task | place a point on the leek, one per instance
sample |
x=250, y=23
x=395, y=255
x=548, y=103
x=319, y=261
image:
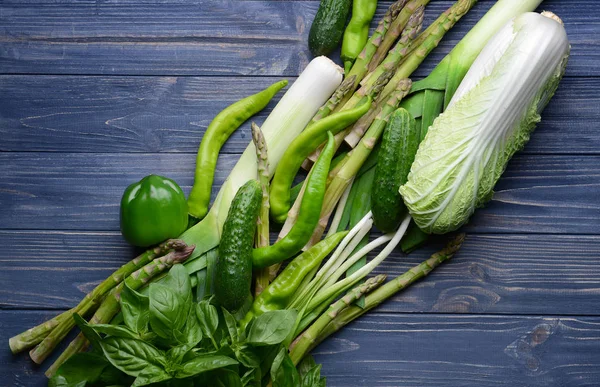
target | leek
x=489, y=118
x=291, y=115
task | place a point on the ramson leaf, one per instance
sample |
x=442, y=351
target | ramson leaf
x=468, y=146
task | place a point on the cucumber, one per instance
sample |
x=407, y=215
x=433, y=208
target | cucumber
x=396, y=155
x=328, y=27
x=233, y=274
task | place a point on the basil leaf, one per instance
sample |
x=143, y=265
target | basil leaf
x=87, y=331
x=312, y=378
x=132, y=356
x=178, y=280
x=252, y=377
x=231, y=326
x=272, y=327
x=226, y=378
x=202, y=364
x=283, y=371
x=246, y=357
x=151, y=375
x=136, y=309
x=208, y=318
x=307, y=363
x=61, y=381
x=192, y=329
x=176, y=354
x=115, y=330
x=166, y=311
x=81, y=367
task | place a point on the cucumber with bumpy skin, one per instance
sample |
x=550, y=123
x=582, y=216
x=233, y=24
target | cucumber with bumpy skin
x=233, y=274
x=328, y=26
x=397, y=153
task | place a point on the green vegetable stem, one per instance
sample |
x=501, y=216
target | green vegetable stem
x=219, y=130
x=233, y=277
x=357, y=31
x=299, y=149
x=110, y=306
x=153, y=210
x=35, y=335
x=280, y=292
x=308, y=217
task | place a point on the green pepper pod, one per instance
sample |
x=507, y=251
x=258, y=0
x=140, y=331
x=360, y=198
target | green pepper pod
x=219, y=130
x=152, y=210
x=308, y=217
x=280, y=292
x=357, y=31
x=300, y=148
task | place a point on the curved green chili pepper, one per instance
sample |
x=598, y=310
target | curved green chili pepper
x=219, y=130
x=308, y=217
x=357, y=31
x=280, y=292
x=300, y=148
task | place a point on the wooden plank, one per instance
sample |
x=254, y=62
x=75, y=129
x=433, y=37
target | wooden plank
x=170, y=114
x=81, y=191
x=501, y=274
x=419, y=350
x=468, y=351
x=210, y=37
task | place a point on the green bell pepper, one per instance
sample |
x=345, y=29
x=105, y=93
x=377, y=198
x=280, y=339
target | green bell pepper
x=152, y=210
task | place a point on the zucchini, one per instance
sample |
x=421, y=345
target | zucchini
x=328, y=26
x=396, y=155
x=233, y=274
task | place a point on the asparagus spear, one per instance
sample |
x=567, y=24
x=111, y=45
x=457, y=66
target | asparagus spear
x=355, y=159
x=375, y=298
x=333, y=102
x=396, y=28
x=359, y=69
x=42, y=350
x=262, y=230
x=306, y=340
x=110, y=306
x=35, y=335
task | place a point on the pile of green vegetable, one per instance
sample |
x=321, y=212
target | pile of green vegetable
x=410, y=158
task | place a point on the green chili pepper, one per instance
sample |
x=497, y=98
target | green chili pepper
x=300, y=148
x=357, y=31
x=280, y=292
x=308, y=217
x=152, y=210
x=219, y=130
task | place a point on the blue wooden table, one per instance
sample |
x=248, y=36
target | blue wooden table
x=97, y=94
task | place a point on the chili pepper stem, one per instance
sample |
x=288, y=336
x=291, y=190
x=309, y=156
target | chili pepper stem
x=35, y=335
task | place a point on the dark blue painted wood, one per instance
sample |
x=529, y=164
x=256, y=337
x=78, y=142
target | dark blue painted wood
x=260, y=38
x=502, y=274
x=420, y=350
x=456, y=328
x=81, y=191
x=169, y=114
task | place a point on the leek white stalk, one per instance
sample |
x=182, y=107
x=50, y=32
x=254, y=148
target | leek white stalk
x=490, y=117
x=291, y=115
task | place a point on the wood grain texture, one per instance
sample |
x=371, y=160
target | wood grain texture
x=170, y=114
x=261, y=38
x=419, y=350
x=80, y=191
x=501, y=274
x=469, y=351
